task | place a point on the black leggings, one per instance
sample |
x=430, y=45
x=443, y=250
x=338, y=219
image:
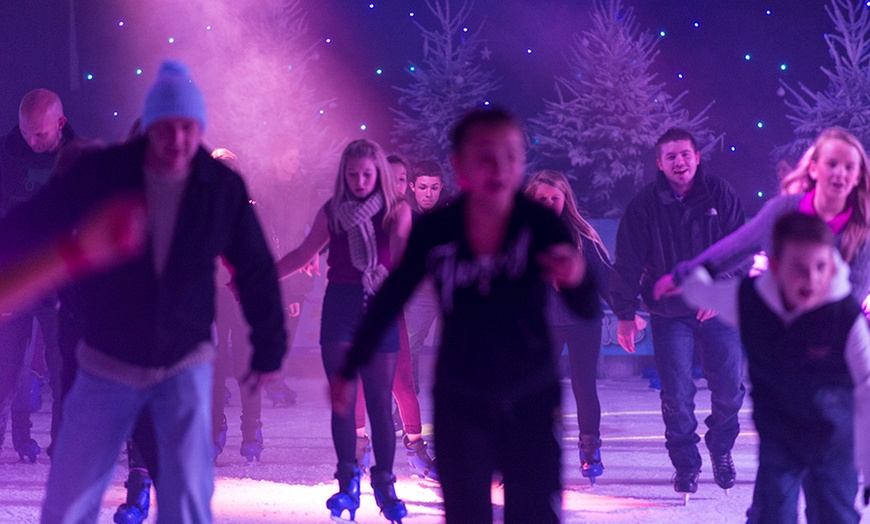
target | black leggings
x=584, y=343
x=377, y=380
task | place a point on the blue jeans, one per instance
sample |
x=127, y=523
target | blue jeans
x=829, y=480
x=674, y=340
x=98, y=417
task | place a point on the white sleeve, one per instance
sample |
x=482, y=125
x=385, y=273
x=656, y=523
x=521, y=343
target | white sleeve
x=700, y=290
x=858, y=359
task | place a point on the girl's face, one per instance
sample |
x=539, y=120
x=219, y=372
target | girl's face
x=550, y=197
x=361, y=176
x=400, y=172
x=836, y=169
x=491, y=162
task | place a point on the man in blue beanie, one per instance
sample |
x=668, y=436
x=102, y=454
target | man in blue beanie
x=146, y=323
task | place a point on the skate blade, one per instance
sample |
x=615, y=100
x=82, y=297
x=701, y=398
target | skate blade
x=341, y=519
x=686, y=498
x=727, y=491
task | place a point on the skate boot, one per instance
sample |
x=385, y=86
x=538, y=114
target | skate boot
x=220, y=440
x=590, y=458
x=363, y=453
x=347, y=498
x=418, y=458
x=252, y=440
x=135, y=509
x=392, y=508
x=686, y=482
x=723, y=471
x=26, y=447
x=280, y=395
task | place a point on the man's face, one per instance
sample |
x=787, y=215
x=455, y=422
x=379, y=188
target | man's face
x=679, y=162
x=803, y=273
x=172, y=143
x=427, y=191
x=42, y=130
x=490, y=164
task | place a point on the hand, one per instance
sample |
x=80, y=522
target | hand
x=705, y=314
x=312, y=267
x=112, y=233
x=563, y=265
x=253, y=381
x=626, y=333
x=665, y=287
x=340, y=393
x=293, y=309
x=639, y=322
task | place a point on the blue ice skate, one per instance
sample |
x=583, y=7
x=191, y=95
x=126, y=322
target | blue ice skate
x=135, y=510
x=392, y=508
x=590, y=457
x=418, y=458
x=347, y=498
x=252, y=445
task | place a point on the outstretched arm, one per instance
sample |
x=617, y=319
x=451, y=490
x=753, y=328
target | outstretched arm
x=312, y=245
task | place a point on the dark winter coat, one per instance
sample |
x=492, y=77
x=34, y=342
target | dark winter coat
x=23, y=173
x=147, y=320
x=658, y=231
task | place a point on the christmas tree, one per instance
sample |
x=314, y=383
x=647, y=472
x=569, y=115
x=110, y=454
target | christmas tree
x=606, y=116
x=846, y=100
x=449, y=82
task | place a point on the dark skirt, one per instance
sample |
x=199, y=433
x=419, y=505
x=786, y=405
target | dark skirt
x=343, y=309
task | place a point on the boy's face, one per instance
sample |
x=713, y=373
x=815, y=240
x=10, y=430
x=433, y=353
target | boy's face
x=491, y=163
x=679, y=162
x=803, y=273
x=427, y=191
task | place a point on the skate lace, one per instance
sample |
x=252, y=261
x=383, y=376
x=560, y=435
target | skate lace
x=723, y=464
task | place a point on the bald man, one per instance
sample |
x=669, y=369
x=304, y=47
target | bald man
x=27, y=156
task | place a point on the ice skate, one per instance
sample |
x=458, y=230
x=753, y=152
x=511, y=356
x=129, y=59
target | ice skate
x=280, y=395
x=392, y=508
x=220, y=439
x=347, y=498
x=418, y=458
x=724, y=472
x=252, y=441
x=591, y=468
x=686, y=483
x=363, y=453
x=24, y=445
x=590, y=458
x=135, y=510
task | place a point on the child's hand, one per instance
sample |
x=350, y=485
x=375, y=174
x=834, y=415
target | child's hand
x=665, y=287
x=563, y=265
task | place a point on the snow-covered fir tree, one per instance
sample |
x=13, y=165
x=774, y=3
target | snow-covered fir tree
x=606, y=116
x=846, y=100
x=449, y=82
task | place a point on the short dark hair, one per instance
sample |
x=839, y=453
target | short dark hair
x=672, y=135
x=425, y=168
x=794, y=227
x=491, y=117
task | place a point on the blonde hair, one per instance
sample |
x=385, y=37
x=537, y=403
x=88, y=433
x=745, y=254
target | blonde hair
x=363, y=148
x=579, y=227
x=798, y=181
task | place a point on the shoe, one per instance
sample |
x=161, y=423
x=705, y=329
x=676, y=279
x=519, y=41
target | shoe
x=392, y=508
x=723, y=471
x=28, y=451
x=24, y=445
x=252, y=441
x=220, y=440
x=418, y=458
x=280, y=395
x=686, y=482
x=590, y=464
x=347, y=498
x=135, y=510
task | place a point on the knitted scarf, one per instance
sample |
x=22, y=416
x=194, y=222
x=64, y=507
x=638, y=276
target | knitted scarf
x=355, y=218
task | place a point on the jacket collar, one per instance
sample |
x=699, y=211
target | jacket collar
x=666, y=194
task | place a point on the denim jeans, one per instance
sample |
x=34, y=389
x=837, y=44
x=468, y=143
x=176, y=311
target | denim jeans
x=99, y=415
x=674, y=341
x=829, y=480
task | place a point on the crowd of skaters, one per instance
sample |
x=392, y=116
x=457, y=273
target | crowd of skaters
x=134, y=352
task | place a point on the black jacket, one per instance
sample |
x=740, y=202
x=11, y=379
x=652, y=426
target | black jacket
x=23, y=173
x=658, y=230
x=131, y=313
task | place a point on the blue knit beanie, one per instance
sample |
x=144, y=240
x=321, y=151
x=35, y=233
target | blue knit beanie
x=173, y=94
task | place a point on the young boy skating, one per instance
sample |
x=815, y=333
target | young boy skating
x=808, y=349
